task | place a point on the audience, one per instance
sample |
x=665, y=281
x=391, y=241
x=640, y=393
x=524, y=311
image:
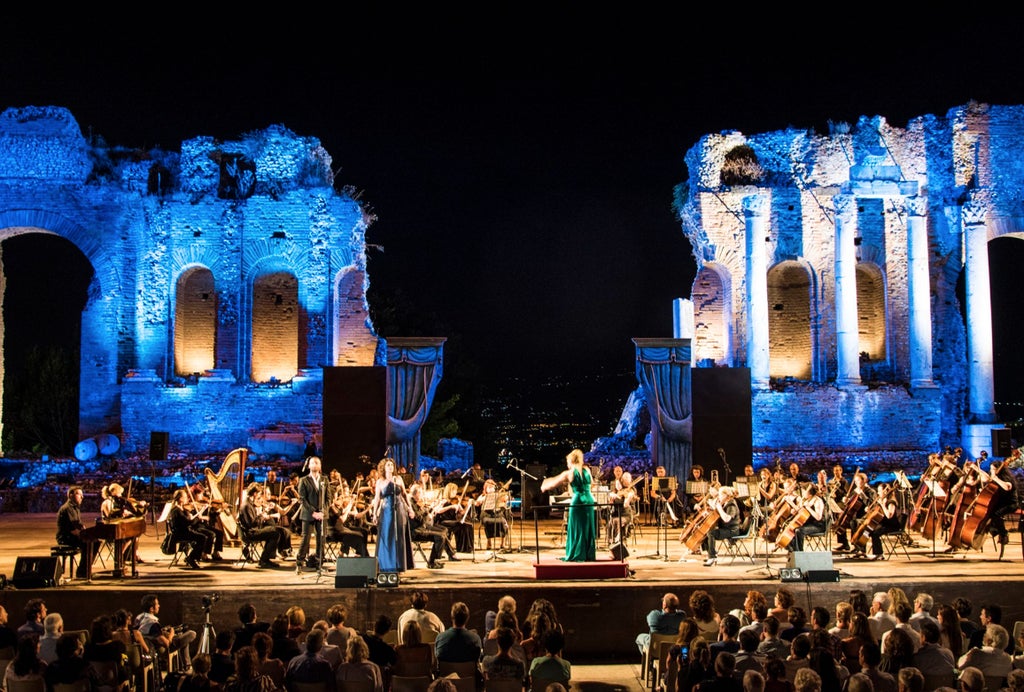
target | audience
x=551, y=666
x=358, y=666
x=413, y=657
x=427, y=620
x=991, y=657
x=26, y=666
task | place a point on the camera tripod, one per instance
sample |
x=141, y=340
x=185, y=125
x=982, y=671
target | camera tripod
x=209, y=638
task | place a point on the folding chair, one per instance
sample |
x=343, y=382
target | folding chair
x=820, y=541
x=736, y=547
x=891, y=542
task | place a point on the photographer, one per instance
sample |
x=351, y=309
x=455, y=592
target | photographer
x=165, y=638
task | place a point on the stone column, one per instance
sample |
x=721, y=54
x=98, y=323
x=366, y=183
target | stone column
x=919, y=294
x=847, y=336
x=979, y=314
x=755, y=210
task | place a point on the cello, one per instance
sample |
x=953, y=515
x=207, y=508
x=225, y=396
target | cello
x=702, y=525
x=775, y=522
x=803, y=513
x=872, y=519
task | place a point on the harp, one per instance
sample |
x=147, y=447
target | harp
x=226, y=488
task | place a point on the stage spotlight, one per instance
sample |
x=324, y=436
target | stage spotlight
x=788, y=574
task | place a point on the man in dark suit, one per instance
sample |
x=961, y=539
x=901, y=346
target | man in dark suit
x=312, y=492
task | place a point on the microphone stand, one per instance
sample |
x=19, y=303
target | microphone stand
x=320, y=531
x=523, y=475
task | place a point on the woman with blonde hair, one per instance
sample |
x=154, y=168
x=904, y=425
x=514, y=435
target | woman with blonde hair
x=581, y=523
x=413, y=657
x=357, y=665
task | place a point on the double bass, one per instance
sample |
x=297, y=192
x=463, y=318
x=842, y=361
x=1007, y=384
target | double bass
x=930, y=506
x=961, y=499
x=979, y=514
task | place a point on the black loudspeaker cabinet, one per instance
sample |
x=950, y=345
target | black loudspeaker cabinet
x=1002, y=443
x=355, y=572
x=619, y=552
x=36, y=572
x=158, y=445
x=355, y=418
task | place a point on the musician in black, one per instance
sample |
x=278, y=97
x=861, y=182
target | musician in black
x=668, y=506
x=69, y=529
x=1005, y=501
x=692, y=492
x=312, y=494
x=861, y=496
x=185, y=527
x=254, y=531
x=347, y=524
x=425, y=529
x=208, y=514
x=891, y=521
x=814, y=524
x=729, y=519
x=494, y=512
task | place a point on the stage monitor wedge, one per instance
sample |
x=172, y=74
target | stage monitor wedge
x=36, y=572
x=355, y=572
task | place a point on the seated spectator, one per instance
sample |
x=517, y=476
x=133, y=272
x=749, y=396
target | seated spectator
x=870, y=658
x=797, y=624
x=35, y=613
x=746, y=657
x=747, y=614
x=222, y=660
x=798, y=656
x=860, y=634
x=822, y=634
x=933, y=659
x=506, y=604
x=844, y=613
x=551, y=666
x=695, y=665
x=771, y=644
x=503, y=665
x=249, y=625
x=263, y=644
x=247, y=677
x=807, y=681
x=26, y=666
x=8, y=637
x=972, y=680
x=901, y=611
x=106, y=652
x=70, y=666
x=332, y=653
x=53, y=627
x=199, y=679
x=702, y=606
x=381, y=652
x=833, y=676
x=1015, y=681
x=897, y=652
x=308, y=666
x=124, y=633
x=538, y=625
x=991, y=659
x=458, y=644
x=859, y=682
x=753, y=681
x=285, y=647
x=759, y=611
x=725, y=675
x=413, y=656
x=358, y=666
x=910, y=679
x=504, y=620
x=775, y=676
x=296, y=623
x=727, y=642
x=688, y=629
x=664, y=620
x=339, y=632
x=784, y=599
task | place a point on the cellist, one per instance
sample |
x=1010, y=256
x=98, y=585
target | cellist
x=891, y=521
x=814, y=523
x=863, y=496
x=1005, y=497
x=728, y=521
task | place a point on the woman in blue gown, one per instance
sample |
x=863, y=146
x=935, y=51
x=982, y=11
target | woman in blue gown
x=391, y=507
x=581, y=525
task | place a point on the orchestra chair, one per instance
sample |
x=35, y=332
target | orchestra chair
x=181, y=549
x=404, y=683
x=26, y=685
x=821, y=541
x=736, y=547
x=647, y=669
x=665, y=668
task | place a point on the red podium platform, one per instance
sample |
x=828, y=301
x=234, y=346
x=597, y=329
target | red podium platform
x=600, y=569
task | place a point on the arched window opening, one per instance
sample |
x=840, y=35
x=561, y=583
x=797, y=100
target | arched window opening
x=275, y=327
x=195, y=322
x=871, y=330
x=710, y=322
x=789, y=321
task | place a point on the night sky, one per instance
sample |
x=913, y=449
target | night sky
x=521, y=170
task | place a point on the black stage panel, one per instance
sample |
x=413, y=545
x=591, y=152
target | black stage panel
x=355, y=417
x=721, y=420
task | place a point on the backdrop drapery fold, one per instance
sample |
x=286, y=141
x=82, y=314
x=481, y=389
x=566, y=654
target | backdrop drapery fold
x=415, y=367
x=663, y=370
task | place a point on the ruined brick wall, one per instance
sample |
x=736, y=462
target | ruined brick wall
x=239, y=211
x=973, y=151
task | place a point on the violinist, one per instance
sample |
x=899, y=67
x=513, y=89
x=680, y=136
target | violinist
x=288, y=504
x=891, y=521
x=185, y=527
x=624, y=510
x=347, y=524
x=838, y=486
x=494, y=512
x=724, y=503
x=206, y=515
x=696, y=488
x=812, y=512
x=863, y=496
x=451, y=512
x=767, y=489
x=270, y=515
x=254, y=530
x=115, y=506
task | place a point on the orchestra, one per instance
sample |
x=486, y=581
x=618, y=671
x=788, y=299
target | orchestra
x=955, y=502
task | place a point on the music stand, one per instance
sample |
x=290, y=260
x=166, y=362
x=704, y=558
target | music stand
x=490, y=504
x=662, y=483
x=756, y=517
x=523, y=475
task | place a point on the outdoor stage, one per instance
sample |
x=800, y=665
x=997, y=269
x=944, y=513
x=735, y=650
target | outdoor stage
x=601, y=614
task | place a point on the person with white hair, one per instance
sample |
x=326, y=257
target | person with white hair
x=923, y=604
x=881, y=620
x=53, y=627
x=991, y=659
x=728, y=521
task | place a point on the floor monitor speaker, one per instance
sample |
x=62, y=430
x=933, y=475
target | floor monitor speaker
x=810, y=560
x=36, y=572
x=355, y=572
x=619, y=552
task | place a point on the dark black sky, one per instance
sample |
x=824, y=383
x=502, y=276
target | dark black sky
x=521, y=169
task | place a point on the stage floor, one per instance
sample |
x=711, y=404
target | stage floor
x=657, y=563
